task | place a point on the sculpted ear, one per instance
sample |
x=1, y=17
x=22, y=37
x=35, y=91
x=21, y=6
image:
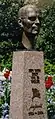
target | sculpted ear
x=20, y=22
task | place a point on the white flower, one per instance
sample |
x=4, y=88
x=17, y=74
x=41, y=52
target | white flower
x=49, y=90
x=51, y=87
x=13, y=4
x=54, y=103
x=52, y=93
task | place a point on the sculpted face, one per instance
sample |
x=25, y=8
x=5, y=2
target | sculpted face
x=30, y=18
x=29, y=22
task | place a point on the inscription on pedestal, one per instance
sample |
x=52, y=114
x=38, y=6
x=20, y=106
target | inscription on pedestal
x=36, y=93
x=35, y=76
x=28, y=88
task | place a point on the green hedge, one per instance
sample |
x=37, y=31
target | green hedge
x=9, y=33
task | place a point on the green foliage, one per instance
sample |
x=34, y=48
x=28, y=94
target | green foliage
x=46, y=40
x=7, y=61
x=9, y=32
x=49, y=67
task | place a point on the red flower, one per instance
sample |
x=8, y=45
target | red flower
x=48, y=82
x=6, y=74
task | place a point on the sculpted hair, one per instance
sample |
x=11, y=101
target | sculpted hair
x=23, y=11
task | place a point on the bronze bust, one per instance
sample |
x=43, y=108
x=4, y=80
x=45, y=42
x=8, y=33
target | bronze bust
x=29, y=22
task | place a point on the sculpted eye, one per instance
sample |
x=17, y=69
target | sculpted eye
x=32, y=18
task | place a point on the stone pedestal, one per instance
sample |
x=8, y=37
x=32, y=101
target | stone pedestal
x=28, y=87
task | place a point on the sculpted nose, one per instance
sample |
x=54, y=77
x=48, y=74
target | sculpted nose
x=37, y=21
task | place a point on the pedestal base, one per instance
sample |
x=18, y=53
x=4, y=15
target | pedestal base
x=28, y=87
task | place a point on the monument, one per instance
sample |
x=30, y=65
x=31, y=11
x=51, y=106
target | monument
x=28, y=87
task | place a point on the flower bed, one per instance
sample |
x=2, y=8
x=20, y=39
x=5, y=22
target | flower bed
x=5, y=90
x=50, y=96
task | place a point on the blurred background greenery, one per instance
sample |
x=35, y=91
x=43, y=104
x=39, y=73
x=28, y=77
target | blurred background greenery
x=9, y=32
x=9, y=42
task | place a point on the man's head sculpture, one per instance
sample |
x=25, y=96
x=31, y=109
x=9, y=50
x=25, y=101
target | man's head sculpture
x=29, y=21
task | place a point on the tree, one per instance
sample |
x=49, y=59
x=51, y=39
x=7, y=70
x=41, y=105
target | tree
x=8, y=30
x=46, y=40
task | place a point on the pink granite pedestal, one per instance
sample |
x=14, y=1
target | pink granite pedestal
x=28, y=87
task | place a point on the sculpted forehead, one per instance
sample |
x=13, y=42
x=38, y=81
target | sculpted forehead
x=28, y=10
